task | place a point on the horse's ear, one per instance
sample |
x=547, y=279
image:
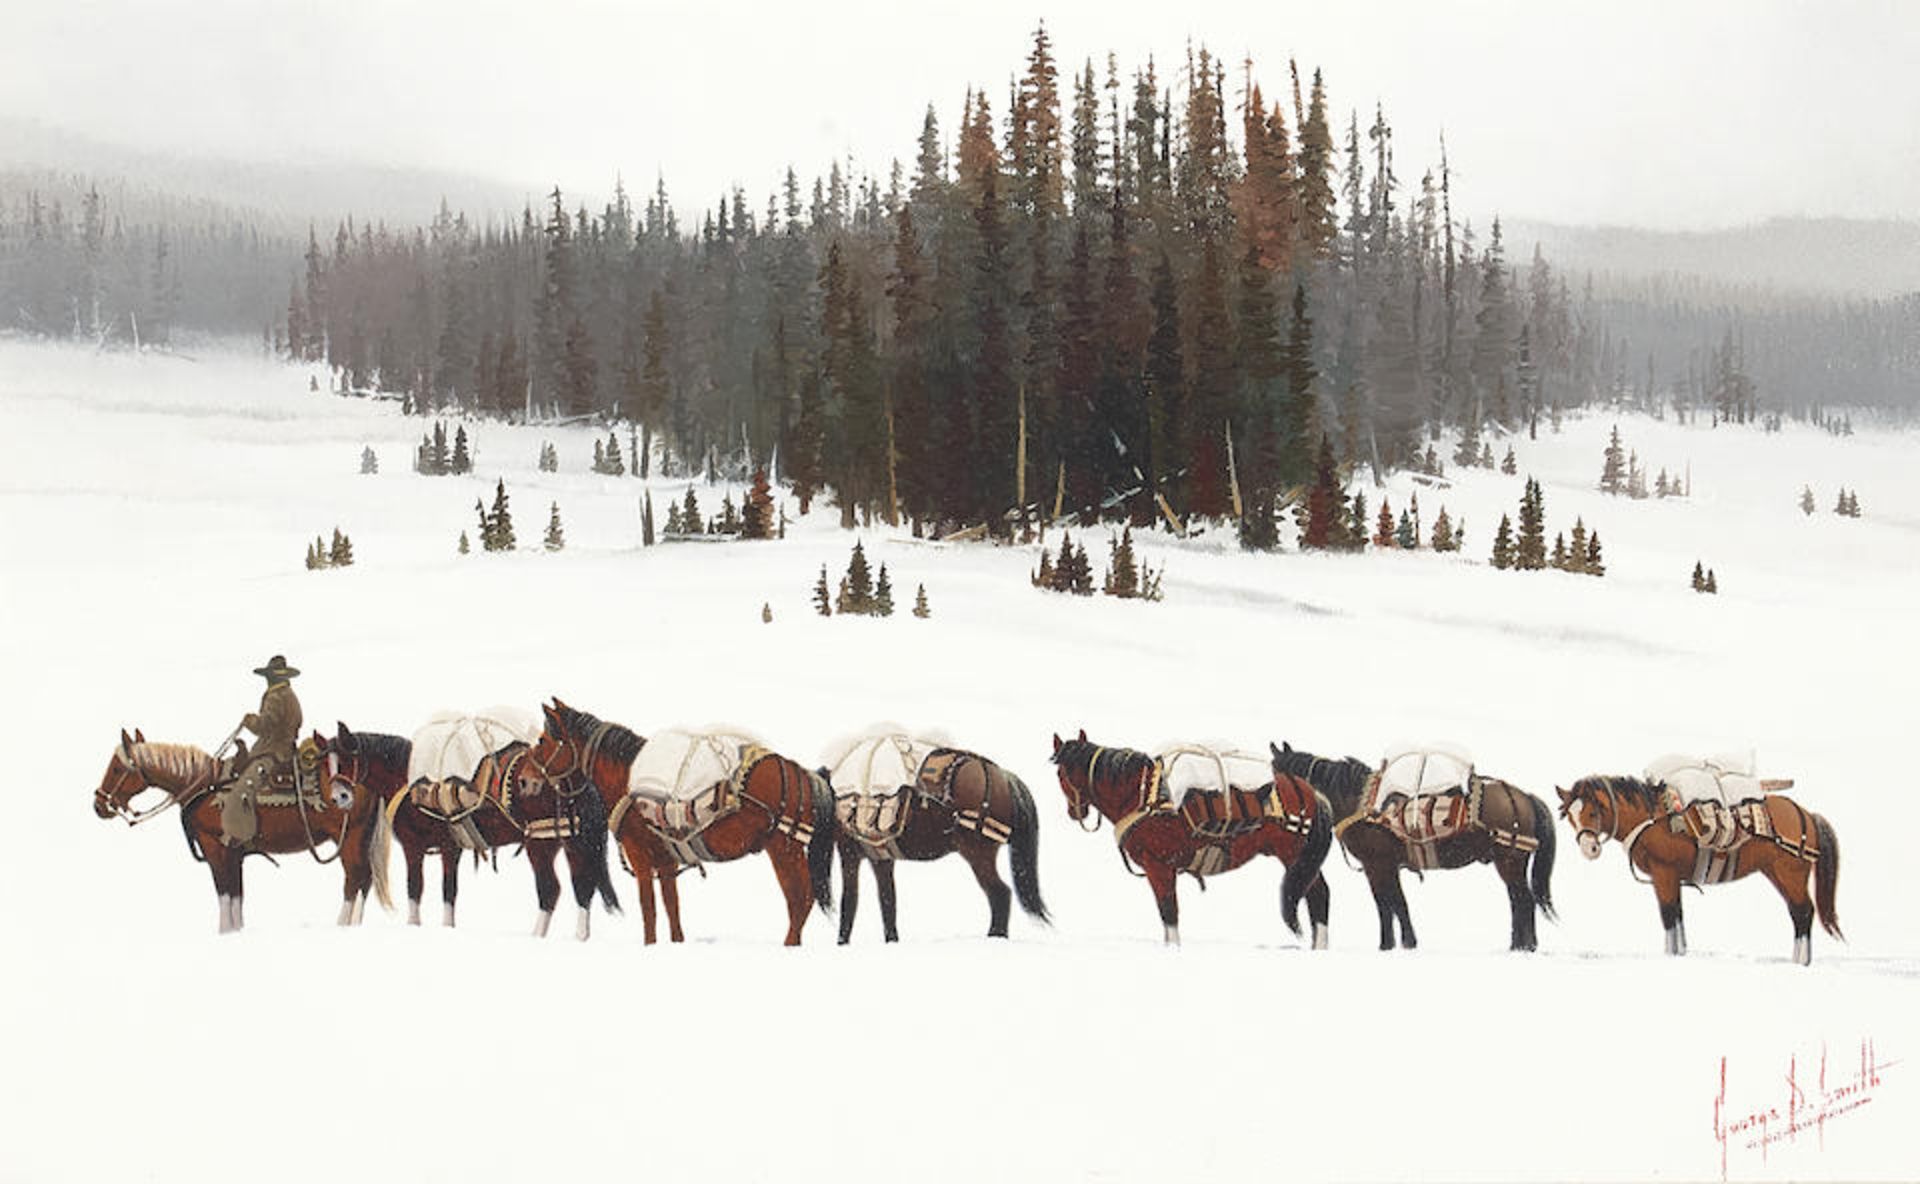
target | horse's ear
x=1056, y=743
x=560, y=706
x=1083, y=735
x=1565, y=797
x=139, y=736
x=342, y=730
x=1286, y=744
x=126, y=741
x=1274, y=749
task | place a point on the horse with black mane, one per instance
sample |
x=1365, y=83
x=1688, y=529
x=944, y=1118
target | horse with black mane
x=775, y=805
x=1511, y=829
x=1286, y=819
x=941, y=800
x=1793, y=844
x=512, y=808
x=299, y=820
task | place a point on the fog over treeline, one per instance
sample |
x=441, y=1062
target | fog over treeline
x=1104, y=283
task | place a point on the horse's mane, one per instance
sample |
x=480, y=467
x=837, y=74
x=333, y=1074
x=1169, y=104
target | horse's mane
x=1644, y=793
x=182, y=762
x=1339, y=777
x=392, y=751
x=620, y=743
x=1105, y=761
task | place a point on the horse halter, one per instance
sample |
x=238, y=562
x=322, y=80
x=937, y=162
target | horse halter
x=1080, y=803
x=126, y=767
x=1583, y=833
x=568, y=783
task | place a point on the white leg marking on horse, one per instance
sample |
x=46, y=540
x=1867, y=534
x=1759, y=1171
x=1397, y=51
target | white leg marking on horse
x=1681, y=931
x=1172, y=934
x=359, y=908
x=1803, y=950
x=413, y=912
x=1319, y=937
x=226, y=914
x=346, y=913
x=1673, y=941
x=447, y=919
x=584, y=928
x=239, y=911
x=540, y=924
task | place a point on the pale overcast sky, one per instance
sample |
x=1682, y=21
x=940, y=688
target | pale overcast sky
x=1667, y=113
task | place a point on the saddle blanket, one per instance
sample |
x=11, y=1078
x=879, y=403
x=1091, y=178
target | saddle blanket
x=677, y=764
x=450, y=746
x=1189, y=767
x=1717, y=827
x=1726, y=780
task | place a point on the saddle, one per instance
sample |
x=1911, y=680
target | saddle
x=876, y=820
x=261, y=779
x=1423, y=820
x=955, y=788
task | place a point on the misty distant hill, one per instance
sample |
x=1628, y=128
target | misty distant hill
x=285, y=197
x=1824, y=256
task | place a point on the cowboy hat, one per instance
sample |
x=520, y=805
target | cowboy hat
x=277, y=670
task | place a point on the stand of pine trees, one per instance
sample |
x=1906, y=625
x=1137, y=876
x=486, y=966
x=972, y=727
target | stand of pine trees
x=1089, y=300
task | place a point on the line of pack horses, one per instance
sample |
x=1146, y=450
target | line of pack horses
x=569, y=791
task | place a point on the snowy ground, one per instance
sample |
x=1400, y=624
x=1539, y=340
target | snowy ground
x=153, y=515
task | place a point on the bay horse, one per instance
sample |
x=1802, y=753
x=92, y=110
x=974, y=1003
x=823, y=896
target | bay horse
x=1637, y=813
x=187, y=775
x=1114, y=782
x=1381, y=853
x=578, y=751
x=513, y=811
x=932, y=830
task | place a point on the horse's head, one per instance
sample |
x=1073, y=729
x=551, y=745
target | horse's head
x=123, y=779
x=1592, y=808
x=555, y=756
x=1073, y=762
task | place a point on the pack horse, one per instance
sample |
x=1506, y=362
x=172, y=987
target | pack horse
x=898, y=797
x=682, y=800
x=1196, y=810
x=1700, y=822
x=1428, y=808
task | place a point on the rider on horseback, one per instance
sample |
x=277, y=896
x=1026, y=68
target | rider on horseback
x=276, y=726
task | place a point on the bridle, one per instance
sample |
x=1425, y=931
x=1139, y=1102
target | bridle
x=1080, y=803
x=130, y=765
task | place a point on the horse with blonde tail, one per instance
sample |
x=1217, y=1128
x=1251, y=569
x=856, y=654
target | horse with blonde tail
x=314, y=812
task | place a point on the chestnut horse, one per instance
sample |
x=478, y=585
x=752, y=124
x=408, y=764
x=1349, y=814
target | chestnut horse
x=186, y=774
x=931, y=831
x=522, y=814
x=1637, y=813
x=1382, y=854
x=1114, y=782
x=578, y=751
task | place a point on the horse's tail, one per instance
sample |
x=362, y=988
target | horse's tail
x=1302, y=872
x=589, y=842
x=380, y=851
x=1826, y=875
x=1024, y=843
x=826, y=828
x=1541, y=878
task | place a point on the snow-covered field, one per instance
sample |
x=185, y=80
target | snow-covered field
x=153, y=516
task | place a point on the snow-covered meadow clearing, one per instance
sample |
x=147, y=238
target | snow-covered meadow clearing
x=153, y=513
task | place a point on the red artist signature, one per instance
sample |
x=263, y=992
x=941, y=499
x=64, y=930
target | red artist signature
x=1836, y=1089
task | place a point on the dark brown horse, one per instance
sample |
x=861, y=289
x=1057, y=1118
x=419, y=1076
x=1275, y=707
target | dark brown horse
x=1640, y=815
x=1515, y=834
x=1119, y=784
x=783, y=809
x=513, y=810
x=958, y=801
x=299, y=823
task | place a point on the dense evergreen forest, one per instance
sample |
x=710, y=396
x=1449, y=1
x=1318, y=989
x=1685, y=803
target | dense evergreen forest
x=1145, y=293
